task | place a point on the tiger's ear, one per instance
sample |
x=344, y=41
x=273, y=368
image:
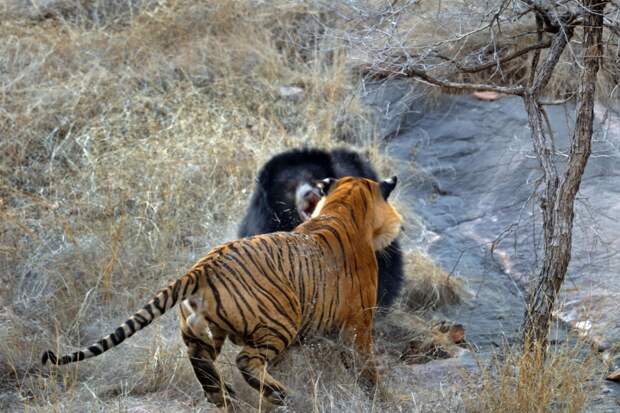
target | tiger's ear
x=387, y=186
x=324, y=184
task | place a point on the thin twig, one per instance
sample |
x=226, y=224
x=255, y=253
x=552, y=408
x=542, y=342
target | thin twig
x=424, y=77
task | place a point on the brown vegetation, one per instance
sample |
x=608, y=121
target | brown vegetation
x=562, y=378
x=430, y=287
x=130, y=142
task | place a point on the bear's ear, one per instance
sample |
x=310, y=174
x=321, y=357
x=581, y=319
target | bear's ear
x=387, y=186
x=324, y=185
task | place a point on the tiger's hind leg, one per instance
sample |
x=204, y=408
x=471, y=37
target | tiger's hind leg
x=204, y=342
x=253, y=361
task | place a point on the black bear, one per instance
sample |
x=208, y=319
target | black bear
x=285, y=196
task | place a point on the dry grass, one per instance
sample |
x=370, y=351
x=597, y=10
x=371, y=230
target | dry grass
x=131, y=137
x=429, y=287
x=129, y=141
x=563, y=380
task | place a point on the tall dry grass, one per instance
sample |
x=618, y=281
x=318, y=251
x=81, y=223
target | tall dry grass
x=562, y=378
x=130, y=141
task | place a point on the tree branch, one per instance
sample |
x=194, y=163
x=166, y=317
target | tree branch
x=422, y=75
x=502, y=60
x=543, y=146
x=553, y=23
x=556, y=101
x=536, y=57
x=559, y=42
x=582, y=136
x=543, y=143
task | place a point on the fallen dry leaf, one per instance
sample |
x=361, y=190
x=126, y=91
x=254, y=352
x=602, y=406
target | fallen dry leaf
x=615, y=376
x=490, y=96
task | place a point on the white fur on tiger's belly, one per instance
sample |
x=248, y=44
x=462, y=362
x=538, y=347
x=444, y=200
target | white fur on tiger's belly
x=195, y=321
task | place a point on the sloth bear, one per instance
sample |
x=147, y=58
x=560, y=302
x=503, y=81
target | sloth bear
x=285, y=196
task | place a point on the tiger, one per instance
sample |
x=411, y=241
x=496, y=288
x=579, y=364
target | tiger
x=267, y=292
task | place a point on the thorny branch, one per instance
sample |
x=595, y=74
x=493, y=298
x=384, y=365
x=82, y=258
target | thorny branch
x=556, y=18
x=499, y=61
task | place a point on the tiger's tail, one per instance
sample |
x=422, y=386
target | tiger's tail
x=167, y=298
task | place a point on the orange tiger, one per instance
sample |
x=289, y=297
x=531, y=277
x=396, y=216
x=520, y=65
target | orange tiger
x=267, y=291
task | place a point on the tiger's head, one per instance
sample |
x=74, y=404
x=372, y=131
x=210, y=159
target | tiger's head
x=366, y=197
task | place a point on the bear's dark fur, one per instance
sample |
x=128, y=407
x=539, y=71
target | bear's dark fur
x=273, y=204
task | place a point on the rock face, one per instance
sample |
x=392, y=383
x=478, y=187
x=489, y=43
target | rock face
x=474, y=180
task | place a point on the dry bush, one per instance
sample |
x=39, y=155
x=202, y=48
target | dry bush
x=560, y=380
x=434, y=35
x=428, y=286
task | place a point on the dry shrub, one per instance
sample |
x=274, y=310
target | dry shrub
x=428, y=286
x=434, y=35
x=130, y=141
x=323, y=384
x=561, y=379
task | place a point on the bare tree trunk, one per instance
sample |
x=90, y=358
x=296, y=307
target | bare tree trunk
x=560, y=191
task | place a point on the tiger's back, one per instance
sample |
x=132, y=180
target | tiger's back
x=294, y=283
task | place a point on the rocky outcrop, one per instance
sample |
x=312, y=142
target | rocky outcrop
x=474, y=181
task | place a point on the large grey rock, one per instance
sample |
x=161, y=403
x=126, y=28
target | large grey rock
x=472, y=177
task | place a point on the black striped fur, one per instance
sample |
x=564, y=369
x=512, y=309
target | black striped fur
x=266, y=291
